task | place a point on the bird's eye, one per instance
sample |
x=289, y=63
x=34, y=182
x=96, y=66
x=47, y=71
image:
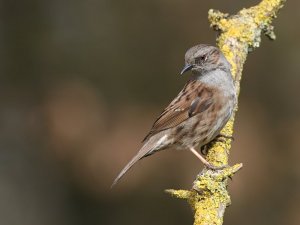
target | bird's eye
x=203, y=57
x=200, y=59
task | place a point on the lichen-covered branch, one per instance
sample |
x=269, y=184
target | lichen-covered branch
x=238, y=34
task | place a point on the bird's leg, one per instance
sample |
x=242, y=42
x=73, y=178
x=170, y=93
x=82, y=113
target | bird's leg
x=203, y=160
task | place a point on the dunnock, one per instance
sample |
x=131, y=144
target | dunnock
x=199, y=112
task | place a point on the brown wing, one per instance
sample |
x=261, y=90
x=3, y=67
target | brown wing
x=194, y=98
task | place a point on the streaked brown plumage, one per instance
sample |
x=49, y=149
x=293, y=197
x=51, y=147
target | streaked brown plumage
x=198, y=113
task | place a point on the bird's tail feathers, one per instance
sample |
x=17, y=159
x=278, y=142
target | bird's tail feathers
x=146, y=150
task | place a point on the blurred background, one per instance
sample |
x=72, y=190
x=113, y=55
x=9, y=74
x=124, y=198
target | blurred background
x=81, y=83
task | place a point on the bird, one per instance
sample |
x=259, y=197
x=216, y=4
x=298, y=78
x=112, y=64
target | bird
x=199, y=112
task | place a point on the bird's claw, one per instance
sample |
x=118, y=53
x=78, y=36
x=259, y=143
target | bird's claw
x=223, y=137
x=204, y=149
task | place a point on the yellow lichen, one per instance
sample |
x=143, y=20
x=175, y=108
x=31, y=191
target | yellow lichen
x=183, y=194
x=209, y=195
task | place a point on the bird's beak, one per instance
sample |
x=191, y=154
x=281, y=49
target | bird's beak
x=186, y=68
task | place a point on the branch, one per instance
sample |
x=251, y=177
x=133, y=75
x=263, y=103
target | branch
x=238, y=35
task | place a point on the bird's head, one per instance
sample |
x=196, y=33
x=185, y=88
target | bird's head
x=201, y=58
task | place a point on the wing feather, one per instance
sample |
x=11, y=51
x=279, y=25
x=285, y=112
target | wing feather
x=194, y=98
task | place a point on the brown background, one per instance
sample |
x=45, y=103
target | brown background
x=81, y=83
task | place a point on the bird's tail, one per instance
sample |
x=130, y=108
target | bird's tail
x=146, y=150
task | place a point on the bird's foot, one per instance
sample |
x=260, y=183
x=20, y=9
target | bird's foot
x=204, y=149
x=205, y=162
x=223, y=138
